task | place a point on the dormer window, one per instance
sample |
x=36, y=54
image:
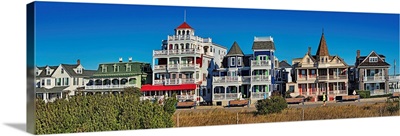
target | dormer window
x=103, y=68
x=128, y=68
x=239, y=61
x=232, y=61
x=47, y=71
x=373, y=59
x=79, y=71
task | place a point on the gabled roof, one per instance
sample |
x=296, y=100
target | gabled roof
x=246, y=61
x=43, y=73
x=51, y=90
x=235, y=50
x=184, y=25
x=260, y=45
x=341, y=60
x=284, y=64
x=380, y=62
x=137, y=68
x=322, y=47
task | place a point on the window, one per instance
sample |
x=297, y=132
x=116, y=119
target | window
x=66, y=81
x=48, y=82
x=47, y=71
x=204, y=77
x=42, y=82
x=173, y=76
x=79, y=70
x=308, y=60
x=74, y=81
x=373, y=59
x=62, y=71
x=232, y=61
x=180, y=75
x=239, y=61
x=103, y=68
x=58, y=81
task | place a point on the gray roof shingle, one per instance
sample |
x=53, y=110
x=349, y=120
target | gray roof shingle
x=257, y=45
x=235, y=50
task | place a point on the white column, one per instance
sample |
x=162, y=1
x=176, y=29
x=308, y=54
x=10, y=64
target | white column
x=154, y=74
x=225, y=88
x=327, y=74
x=327, y=91
x=45, y=97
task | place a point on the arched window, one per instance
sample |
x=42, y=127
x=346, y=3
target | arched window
x=187, y=32
x=182, y=46
x=176, y=46
x=187, y=45
x=183, y=32
x=170, y=46
x=179, y=32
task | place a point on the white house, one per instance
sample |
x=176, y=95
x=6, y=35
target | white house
x=58, y=81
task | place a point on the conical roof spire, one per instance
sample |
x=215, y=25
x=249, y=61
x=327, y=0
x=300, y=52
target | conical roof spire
x=235, y=50
x=322, y=47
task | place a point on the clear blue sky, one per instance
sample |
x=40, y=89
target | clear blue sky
x=100, y=33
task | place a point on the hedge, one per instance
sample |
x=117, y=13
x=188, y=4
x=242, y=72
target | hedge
x=101, y=113
x=364, y=94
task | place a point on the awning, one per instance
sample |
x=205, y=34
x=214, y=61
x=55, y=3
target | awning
x=168, y=87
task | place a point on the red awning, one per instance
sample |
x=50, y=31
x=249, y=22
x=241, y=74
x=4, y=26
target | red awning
x=167, y=87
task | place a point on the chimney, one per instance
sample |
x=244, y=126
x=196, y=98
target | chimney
x=309, y=50
x=78, y=61
x=130, y=59
x=358, y=54
x=120, y=59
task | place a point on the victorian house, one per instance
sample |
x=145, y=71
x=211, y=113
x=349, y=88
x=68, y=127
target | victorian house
x=115, y=76
x=372, y=73
x=319, y=73
x=245, y=76
x=183, y=66
x=54, y=82
x=283, y=76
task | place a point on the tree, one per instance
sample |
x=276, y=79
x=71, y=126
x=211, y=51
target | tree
x=275, y=104
x=133, y=91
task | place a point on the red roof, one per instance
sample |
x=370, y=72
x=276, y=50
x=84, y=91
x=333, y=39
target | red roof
x=168, y=87
x=184, y=25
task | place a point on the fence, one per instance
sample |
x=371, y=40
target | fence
x=187, y=118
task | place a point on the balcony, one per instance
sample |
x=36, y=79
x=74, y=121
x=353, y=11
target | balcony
x=219, y=96
x=323, y=77
x=176, y=81
x=109, y=86
x=185, y=97
x=227, y=79
x=261, y=64
x=260, y=78
x=189, y=66
x=189, y=37
x=257, y=95
x=173, y=67
x=340, y=77
x=227, y=96
x=374, y=78
x=160, y=67
x=176, y=52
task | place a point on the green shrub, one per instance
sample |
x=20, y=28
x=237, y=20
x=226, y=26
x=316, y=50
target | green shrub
x=364, y=94
x=100, y=113
x=275, y=104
